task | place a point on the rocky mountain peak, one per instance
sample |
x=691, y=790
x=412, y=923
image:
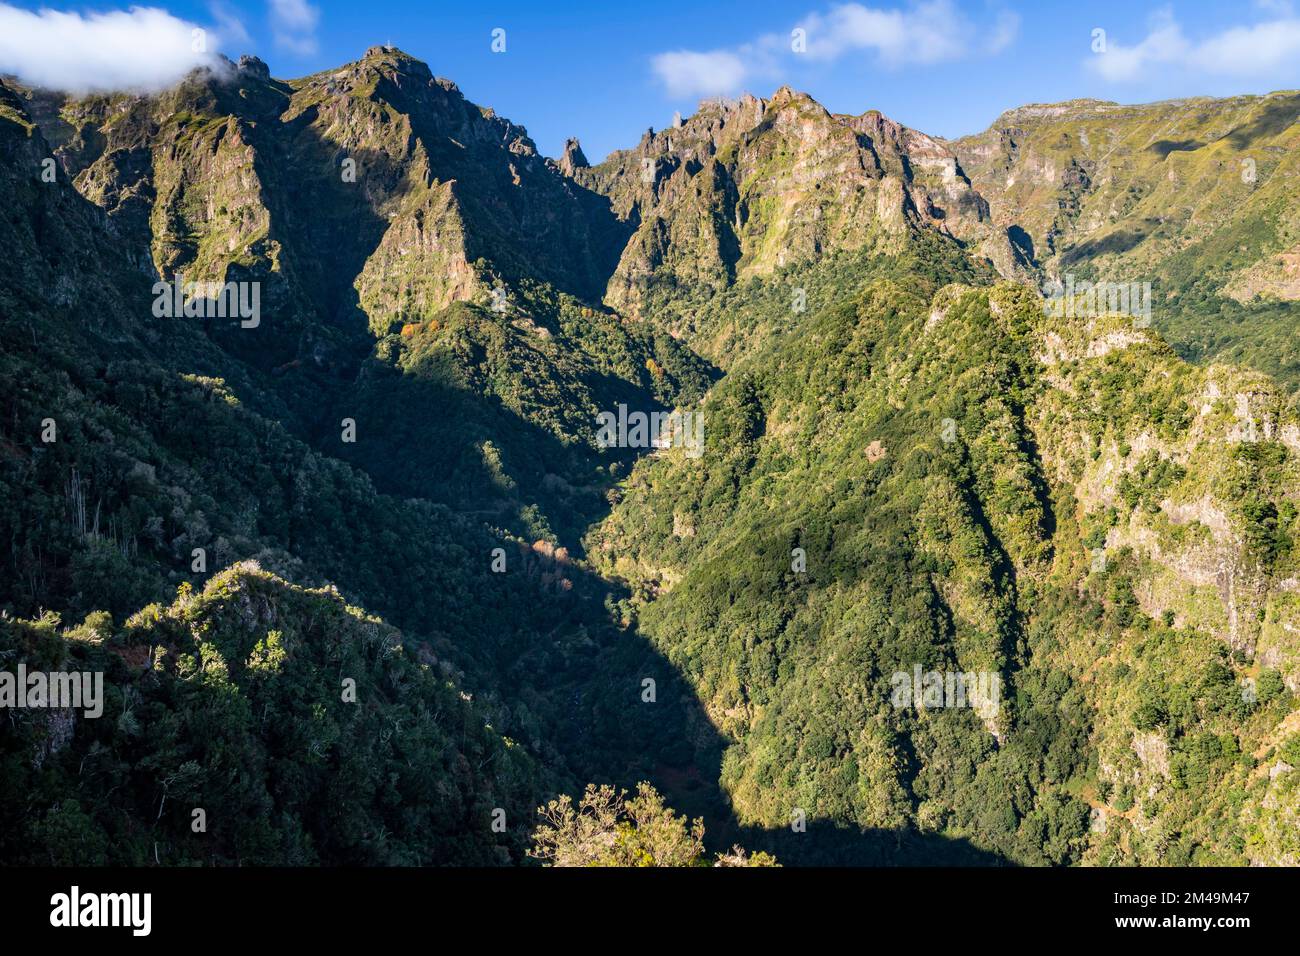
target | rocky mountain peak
x=747, y=186
x=572, y=158
x=254, y=67
x=390, y=58
x=787, y=95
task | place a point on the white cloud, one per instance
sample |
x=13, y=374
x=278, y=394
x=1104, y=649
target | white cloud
x=1004, y=32
x=142, y=49
x=293, y=23
x=923, y=33
x=1258, y=50
x=230, y=28
x=1164, y=44
x=1248, y=51
x=686, y=73
x=927, y=33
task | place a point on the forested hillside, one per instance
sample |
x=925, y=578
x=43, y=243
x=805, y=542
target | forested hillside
x=952, y=481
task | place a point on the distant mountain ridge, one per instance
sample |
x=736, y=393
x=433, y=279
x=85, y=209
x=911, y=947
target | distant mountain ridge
x=1191, y=195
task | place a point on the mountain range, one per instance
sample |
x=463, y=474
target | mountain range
x=368, y=586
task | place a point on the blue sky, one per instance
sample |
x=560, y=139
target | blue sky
x=606, y=71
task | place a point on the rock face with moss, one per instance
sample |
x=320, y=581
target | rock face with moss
x=1174, y=185
x=374, y=190
x=1193, y=196
x=745, y=187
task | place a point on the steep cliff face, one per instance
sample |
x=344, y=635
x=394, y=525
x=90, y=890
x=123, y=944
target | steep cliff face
x=363, y=204
x=749, y=186
x=55, y=241
x=1196, y=197
x=1198, y=189
x=374, y=187
x=375, y=195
